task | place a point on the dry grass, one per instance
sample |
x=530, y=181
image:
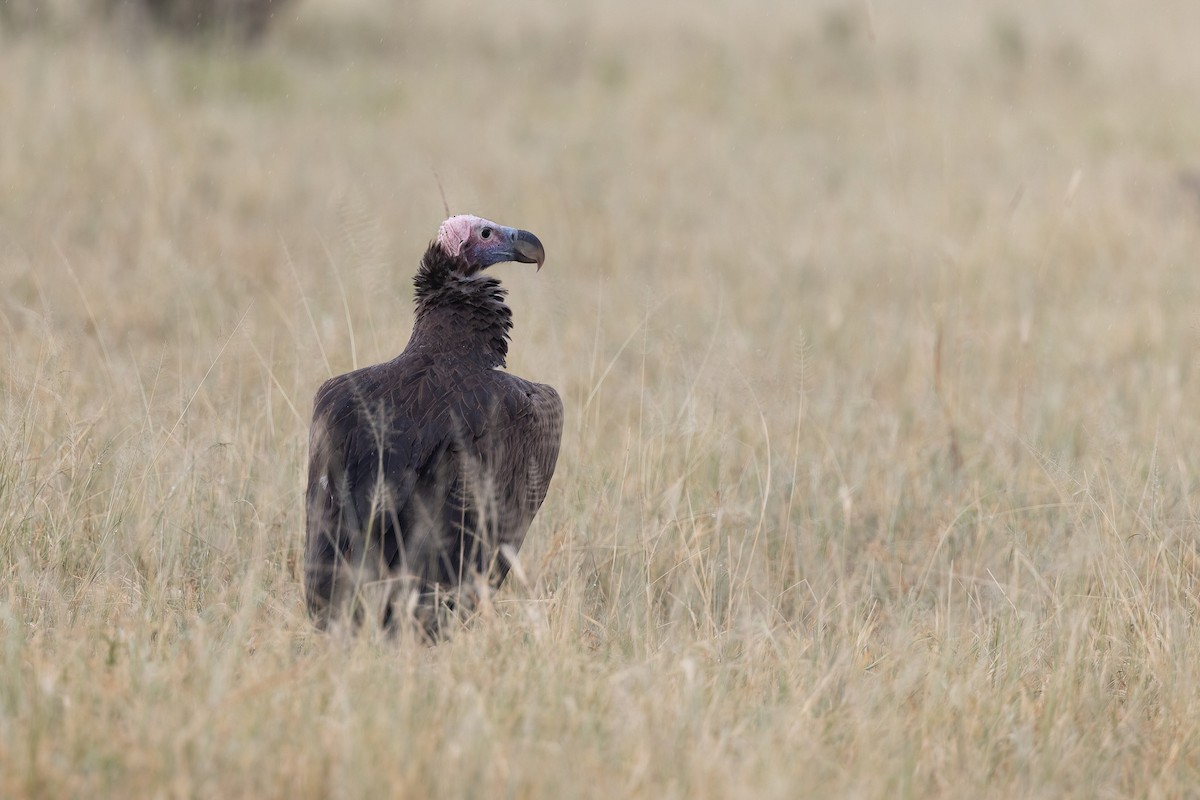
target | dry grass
x=877, y=330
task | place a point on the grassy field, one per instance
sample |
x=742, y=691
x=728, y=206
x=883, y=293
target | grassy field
x=877, y=328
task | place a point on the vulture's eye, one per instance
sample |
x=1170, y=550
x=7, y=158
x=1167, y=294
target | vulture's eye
x=486, y=233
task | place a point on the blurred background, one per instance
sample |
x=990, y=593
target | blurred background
x=876, y=325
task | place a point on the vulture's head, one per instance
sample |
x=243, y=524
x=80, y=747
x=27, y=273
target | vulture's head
x=476, y=243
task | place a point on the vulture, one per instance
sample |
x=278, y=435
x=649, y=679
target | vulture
x=425, y=472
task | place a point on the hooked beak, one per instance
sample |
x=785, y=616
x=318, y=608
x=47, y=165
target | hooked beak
x=527, y=248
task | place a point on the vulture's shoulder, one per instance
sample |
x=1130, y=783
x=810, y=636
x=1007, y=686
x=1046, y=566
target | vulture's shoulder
x=396, y=412
x=381, y=388
x=415, y=406
x=492, y=402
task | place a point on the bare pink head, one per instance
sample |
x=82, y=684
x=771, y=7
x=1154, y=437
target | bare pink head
x=478, y=243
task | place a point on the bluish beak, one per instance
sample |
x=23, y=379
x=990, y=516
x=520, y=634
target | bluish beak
x=525, y=247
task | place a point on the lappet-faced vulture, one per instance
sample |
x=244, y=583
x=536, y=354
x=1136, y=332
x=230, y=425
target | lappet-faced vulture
x=425, y=472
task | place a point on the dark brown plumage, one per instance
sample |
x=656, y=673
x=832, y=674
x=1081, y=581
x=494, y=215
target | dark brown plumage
x=424, y=471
